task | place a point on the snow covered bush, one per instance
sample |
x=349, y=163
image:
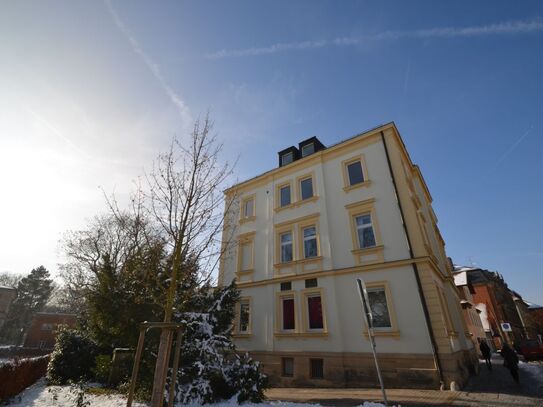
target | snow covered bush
x=73, y=357
x=211, y=370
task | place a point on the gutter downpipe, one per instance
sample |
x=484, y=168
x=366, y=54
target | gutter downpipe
x=415, y=269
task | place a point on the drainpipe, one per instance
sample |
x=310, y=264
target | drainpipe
x=415, y=269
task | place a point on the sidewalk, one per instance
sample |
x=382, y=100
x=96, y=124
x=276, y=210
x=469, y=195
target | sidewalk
x=488, y=389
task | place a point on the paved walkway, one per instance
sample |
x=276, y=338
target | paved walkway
x=493, y=388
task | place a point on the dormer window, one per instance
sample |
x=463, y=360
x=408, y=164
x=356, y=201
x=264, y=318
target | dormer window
x=287, y=158
x=308, y=149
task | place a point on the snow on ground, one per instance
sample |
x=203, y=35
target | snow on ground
x=63, y=396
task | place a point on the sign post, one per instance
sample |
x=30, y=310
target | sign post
x=368, y=318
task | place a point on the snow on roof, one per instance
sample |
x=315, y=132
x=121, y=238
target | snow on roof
x=531, y=305
x=5, y=287
x=460, y=279
x=459, y=269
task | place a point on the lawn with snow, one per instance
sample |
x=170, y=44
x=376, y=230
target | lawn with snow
x=64, y=396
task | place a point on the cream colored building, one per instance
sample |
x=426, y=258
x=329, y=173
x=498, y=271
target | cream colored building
x=303, y=232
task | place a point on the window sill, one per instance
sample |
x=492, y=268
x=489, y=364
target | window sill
x=296, y=204
x=244, y=272
x=395, y=333
x=369, y=255
x=367, y=250
x=296, y=262
x=245, y=335
x=301, y=334
x=356, y=186
x=247, y=219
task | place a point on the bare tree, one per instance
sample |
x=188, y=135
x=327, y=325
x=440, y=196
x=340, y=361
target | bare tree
x=185, y=198
x=9, y=279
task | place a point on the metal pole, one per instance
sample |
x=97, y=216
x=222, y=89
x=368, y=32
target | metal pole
x=136, y=367
x=368, y=318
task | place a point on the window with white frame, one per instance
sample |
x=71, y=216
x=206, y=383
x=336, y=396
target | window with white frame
x=286, y=247
x=310, y=242
x=244, y=316
x=249, y=208
x=306, y=188
x=355, y=173
x=246, y=250
x=285, y=196
x=379, y=307
x=364, y=230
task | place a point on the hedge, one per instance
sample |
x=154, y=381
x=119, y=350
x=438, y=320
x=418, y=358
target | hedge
x=16, y=375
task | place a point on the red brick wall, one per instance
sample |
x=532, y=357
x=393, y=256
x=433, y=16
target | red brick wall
x=42, y=332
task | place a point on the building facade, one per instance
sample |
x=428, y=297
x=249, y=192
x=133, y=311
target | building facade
x=7, y=295
x=472, y=314
x=492, y=291
x=43, y=329
x=297, y=237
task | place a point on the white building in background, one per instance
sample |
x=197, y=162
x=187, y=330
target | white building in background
x=303, y=233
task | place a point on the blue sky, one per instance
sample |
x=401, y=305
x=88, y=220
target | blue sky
x=91, y=91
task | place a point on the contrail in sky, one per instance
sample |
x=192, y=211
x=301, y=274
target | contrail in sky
x=153, y=66
x=510, y=27
x=55, y=131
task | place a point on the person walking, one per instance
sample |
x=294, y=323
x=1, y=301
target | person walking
x=510, y=361
x=485, y=351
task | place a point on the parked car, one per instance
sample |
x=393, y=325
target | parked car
x=531, y=349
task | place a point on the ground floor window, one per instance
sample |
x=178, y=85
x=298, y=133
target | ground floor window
x=288, y=314
x=316, y=368
x=244, y=316
x=379, y=307
x=287, y=367
x=314, y=308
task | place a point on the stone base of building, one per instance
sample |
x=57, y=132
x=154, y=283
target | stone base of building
x=414, y=371
x=351, y=370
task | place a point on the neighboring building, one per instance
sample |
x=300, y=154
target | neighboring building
x=303, y=233
x=7, y=295
x=43, y=329
x=492, y=291
x=536, y=313
x=528, y=325
x=471, y=313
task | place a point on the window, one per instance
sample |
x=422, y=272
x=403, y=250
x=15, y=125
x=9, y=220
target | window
x=287, y=158
x=47, y=327
x=316, y=368
x=314, y=308
x=248, y=208
x=246, y=256
x=286, y=286
x=287, y=367
x=286, y=247
x=284, y=193
x=308, y=149
x=244, y=316
x=306, y=188
x=310, y=242
x=364, y=229
x=367, y=243
x=310, y=283
x=354, y=172
x=379, y=308
x=42, y=344
x=288, y=313
x=246, y=252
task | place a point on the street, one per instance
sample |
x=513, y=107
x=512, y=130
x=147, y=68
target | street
x=489, y=388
